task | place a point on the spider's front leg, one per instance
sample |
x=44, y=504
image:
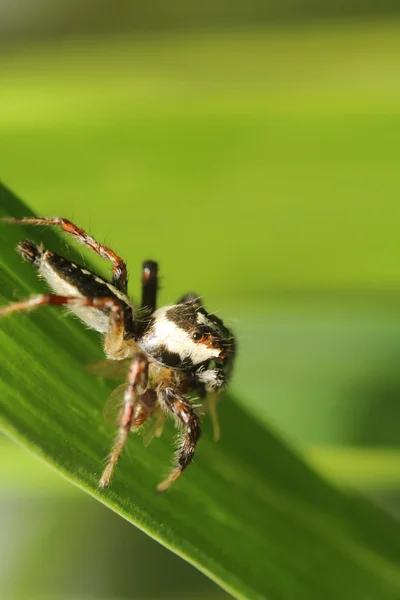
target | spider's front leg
x=185, y=416
x=137, y=381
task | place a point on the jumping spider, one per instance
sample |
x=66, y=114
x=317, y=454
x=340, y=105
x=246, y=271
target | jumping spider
x=171, y=351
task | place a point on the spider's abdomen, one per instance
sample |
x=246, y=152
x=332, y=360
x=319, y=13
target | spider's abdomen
x=70, y=279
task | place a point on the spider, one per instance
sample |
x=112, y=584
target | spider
x=171, y=351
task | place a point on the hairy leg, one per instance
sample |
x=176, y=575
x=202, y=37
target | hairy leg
x=187, y=418
x=137, y=378
x=120, y=278
x=115, y=334
x=55, y=300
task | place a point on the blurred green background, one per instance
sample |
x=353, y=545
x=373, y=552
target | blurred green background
x=253, y=150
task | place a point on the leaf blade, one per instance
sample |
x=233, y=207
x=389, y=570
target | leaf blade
x=248, y=513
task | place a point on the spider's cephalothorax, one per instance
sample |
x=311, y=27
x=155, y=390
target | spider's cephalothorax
x=171, y=351
x=186, y=337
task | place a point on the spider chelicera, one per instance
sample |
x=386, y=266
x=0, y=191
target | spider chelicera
x=172, y=351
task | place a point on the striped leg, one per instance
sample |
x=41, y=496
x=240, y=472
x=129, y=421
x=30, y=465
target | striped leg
x=185, y=415
x=137, y=377
x=120, y=277
x=55, y=300
x=115, y=334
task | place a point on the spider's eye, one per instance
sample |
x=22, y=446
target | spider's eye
x=197, y=336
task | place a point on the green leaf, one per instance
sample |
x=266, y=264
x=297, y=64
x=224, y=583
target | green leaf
x=367, y=468
x=248, y=513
